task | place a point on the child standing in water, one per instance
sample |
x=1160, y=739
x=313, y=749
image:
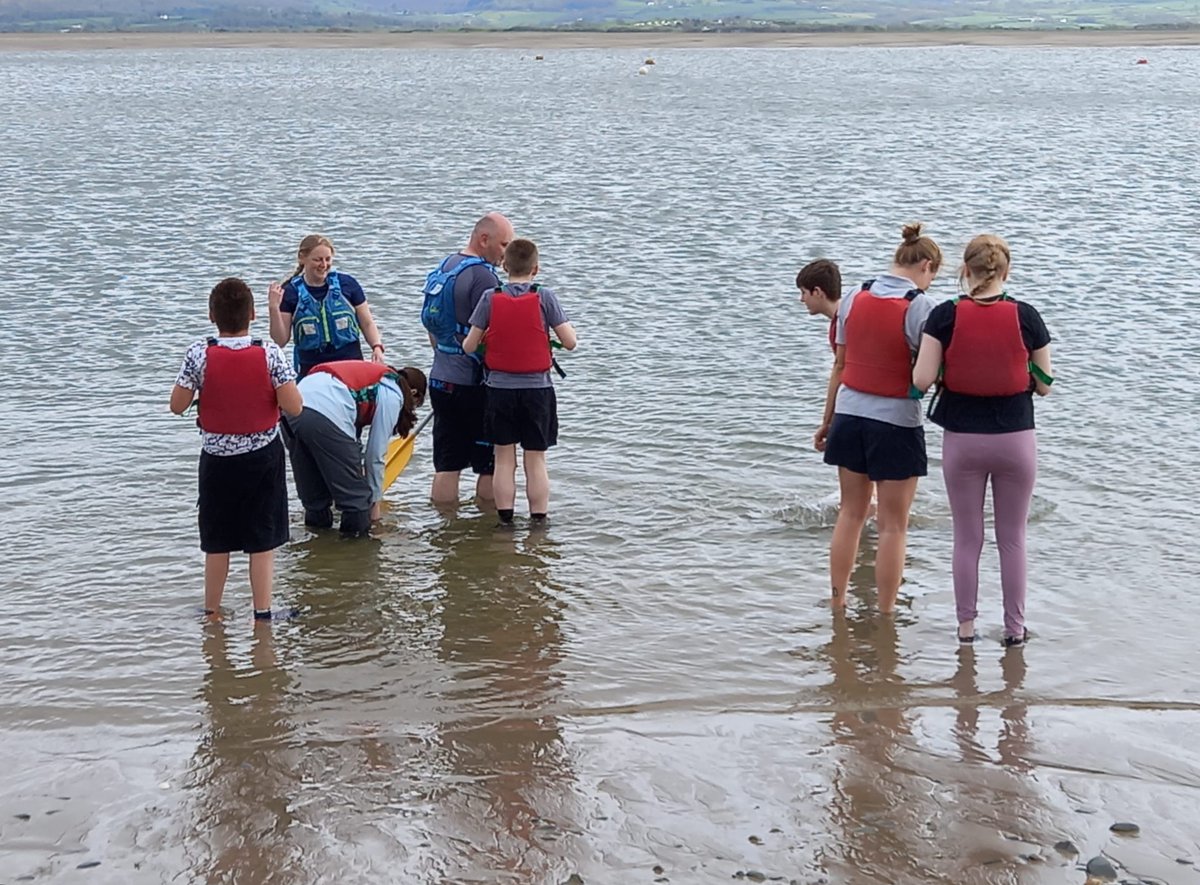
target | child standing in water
x=242, y=385
x=993, y=354
x=820, y=285
x=871, y=429
x=514, y=321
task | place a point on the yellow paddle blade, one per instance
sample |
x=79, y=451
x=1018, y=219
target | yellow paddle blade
x=399, y=453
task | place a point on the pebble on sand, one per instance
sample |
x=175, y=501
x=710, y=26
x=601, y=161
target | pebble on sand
x=1066, y=846
x=1125, y=827
x=1100, y=869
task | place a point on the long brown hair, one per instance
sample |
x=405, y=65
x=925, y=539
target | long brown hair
x=413, y=385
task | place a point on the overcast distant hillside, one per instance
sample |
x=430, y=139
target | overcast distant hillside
x=406, y=14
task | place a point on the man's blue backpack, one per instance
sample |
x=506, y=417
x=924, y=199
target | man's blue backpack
x=437, y=313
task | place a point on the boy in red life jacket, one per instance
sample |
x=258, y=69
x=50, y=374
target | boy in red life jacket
x=242, y=384
x=514, y=323
x=820, y=285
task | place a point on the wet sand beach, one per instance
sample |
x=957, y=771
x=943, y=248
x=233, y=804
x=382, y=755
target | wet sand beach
x=550, y=40
x=654, y=689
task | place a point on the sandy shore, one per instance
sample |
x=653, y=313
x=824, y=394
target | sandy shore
x=545, y=40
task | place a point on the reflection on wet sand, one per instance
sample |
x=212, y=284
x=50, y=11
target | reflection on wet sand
x=905, y=806
x=503, y=803
x=244, y=784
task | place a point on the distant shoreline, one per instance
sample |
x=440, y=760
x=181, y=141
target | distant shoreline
x=557, y=39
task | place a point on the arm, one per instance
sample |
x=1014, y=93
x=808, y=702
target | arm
x=474, y=337
x=281, y=323
x=1041, y=359
x=929, y=363
x=370, y=331
x=565, y=333
x=181, y=398
x=388, y=402
x=291, y=403
x=835, y=381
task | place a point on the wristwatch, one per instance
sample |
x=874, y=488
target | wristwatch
x=380, y=346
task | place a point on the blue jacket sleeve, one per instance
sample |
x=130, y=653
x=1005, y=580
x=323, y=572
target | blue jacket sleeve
x=388, y=402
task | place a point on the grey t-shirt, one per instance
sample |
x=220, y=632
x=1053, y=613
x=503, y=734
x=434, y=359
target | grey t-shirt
x=552, y=315
x=893, y=410
x=469, y=287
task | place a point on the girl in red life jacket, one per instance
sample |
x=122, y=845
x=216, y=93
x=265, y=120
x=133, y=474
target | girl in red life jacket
x=993, y=354
x=871, y=429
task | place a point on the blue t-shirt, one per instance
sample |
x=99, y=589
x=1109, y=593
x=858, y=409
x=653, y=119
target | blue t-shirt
x=552, y=315
x=352, y=292
x=469, y=287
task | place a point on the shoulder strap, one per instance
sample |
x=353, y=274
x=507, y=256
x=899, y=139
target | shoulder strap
x=256, y=342
x=913, y=293
x=212, y=342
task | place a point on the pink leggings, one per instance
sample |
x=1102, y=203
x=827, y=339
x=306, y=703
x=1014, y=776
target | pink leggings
x=1010, y=461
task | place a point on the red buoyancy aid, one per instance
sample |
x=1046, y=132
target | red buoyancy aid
x=878, y=358
x=237, y=395
x=362, y=378
x=517, y=339
x=987, y=355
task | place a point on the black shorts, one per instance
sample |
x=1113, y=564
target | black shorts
x=458, y=438
x=243, y=500
x=881, y=450
x=528, y=416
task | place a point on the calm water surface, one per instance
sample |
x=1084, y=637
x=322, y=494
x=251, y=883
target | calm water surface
x=654, y=689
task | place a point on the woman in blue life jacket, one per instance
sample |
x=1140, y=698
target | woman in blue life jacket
x=324, y=311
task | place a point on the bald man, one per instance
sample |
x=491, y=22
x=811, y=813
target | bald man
x=456, y=380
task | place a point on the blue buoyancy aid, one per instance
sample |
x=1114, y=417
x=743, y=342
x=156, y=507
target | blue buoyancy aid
x=325, y=324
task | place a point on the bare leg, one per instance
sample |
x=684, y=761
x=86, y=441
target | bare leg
x=484, y=485
x=262, y=574
x=445, y=487
x=216, y=570
x=505, y=481
x=537, y=482
x=852, y=513
x=895, y=500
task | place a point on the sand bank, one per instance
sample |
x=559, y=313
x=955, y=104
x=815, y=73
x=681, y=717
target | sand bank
x=549, y=40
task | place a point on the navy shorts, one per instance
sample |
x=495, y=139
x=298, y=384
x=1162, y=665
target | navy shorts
x=243, y=500
x=528, y=416
x=458, y=438
x=878, y=449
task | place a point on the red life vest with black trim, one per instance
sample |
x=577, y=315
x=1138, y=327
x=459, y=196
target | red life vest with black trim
x=987, y=354
x=362, y=379
x=517, y=339
x=237, y=395
x=878, y=357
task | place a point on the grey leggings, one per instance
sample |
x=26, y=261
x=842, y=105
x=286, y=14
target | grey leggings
x=328, y=468
x=1009, y=460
